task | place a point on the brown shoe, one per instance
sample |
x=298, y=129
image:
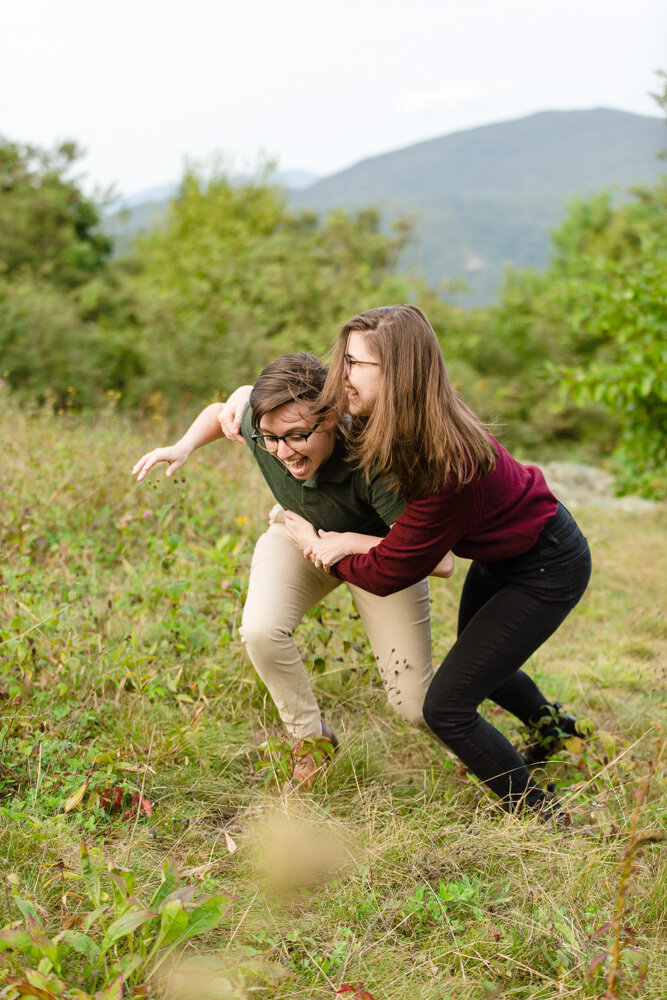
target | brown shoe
x=310, y=754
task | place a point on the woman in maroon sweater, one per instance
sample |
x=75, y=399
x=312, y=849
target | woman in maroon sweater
x=530, y=562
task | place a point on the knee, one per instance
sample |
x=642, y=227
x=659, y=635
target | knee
x=431, y=712
x=447, y=719
x=409, y=710
x=263, y=636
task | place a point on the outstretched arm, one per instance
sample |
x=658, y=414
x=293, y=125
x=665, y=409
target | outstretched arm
x=204, y=429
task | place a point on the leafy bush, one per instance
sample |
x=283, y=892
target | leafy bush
x=114, y=947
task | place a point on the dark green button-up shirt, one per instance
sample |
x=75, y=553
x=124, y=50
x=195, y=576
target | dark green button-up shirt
x=336, y=498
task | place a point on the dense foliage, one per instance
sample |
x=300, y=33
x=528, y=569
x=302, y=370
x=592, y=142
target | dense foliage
x=571, y=359
x=592, y=324
x=234, y=279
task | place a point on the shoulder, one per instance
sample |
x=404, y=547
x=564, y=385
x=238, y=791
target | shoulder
x=246, y=426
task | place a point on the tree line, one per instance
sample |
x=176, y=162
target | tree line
x=570, y=359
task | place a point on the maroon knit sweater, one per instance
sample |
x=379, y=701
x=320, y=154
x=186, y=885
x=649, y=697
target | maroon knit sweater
x=495, y=517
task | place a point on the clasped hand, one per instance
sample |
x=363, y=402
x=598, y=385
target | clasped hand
x=324, y=548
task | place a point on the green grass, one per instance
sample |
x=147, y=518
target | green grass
x=121, y=668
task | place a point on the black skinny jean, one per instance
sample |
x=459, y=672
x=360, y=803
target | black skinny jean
x=508, y=609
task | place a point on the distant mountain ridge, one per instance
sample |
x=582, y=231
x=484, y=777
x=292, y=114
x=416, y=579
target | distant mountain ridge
x=481, y=199
x=489, y=196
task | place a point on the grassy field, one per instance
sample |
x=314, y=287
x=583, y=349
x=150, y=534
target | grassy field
x=130, y=717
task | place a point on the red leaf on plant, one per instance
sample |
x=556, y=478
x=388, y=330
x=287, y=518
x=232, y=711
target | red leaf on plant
x=598, y=960
x=146, y=805
x=112, y=798
x=359, y=992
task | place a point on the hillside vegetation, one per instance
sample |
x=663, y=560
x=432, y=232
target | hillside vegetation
x=129, y=716
x=479, y=200
x=486, y=198
x=571, y=361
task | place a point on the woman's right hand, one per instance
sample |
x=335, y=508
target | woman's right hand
x=176, y=455
x=232, y=411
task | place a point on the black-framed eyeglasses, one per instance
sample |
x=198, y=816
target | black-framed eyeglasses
x=349, y=362
x=270, y=442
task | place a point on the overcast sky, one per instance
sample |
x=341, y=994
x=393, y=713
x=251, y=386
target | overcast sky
x=316, y=85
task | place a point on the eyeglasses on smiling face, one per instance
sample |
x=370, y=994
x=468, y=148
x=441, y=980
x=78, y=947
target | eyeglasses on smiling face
x=270, y=442
x=349, y=362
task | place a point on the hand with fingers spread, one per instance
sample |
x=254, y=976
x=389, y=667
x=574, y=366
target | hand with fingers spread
x=176, y=455
x=204, y=429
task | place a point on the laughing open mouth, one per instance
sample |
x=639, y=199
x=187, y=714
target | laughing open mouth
x=296, y=466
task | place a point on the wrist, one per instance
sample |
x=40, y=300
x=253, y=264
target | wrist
x=185, y=447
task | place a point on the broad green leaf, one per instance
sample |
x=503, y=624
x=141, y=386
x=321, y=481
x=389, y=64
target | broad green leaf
x=27, y=909
x=82, y=943
x=92, y=917
x=37, y=984
x=121, y=901
x=125, y=875
x=185, y=894
x=207, y=915
x=129, y=963
x=125, y=925
x=45, y=946
x=169, y=881
x=16, y=939
x=173, y=923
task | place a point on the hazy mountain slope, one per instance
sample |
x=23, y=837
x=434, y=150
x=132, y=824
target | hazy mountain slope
x=488, y=196
x=481, y=199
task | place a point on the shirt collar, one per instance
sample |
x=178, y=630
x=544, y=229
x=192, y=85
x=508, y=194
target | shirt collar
x=337, y=469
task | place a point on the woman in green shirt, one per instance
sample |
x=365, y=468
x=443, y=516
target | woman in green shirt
x=304, y=462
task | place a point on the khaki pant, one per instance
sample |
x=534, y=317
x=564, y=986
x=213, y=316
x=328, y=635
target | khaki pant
x=284, y=586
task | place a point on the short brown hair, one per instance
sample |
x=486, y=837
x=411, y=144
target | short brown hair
x=291, y=378
x=419, y=433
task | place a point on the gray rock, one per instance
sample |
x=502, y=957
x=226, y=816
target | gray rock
x=587, y=486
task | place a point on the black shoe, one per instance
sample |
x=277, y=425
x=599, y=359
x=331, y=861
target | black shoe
x=547, y=734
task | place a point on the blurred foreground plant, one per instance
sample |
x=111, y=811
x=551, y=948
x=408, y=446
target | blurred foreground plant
x=114, y=949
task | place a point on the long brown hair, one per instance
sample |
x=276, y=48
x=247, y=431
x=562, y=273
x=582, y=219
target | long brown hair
x=420, y=432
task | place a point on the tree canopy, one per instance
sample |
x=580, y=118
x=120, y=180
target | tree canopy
x=571, y=357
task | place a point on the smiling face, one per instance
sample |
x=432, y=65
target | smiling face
x=294, y=418
x=362, y=374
